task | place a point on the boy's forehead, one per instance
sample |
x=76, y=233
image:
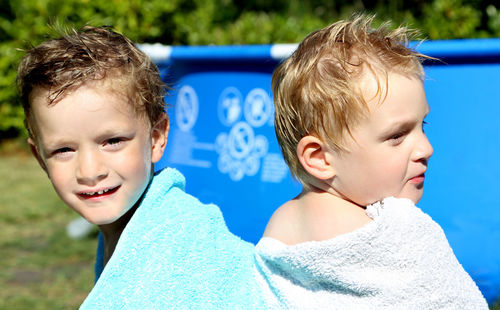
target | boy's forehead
x=92, y=94
x=108, y=87
x=37, y=94
x=369, y=85
x=374, y=85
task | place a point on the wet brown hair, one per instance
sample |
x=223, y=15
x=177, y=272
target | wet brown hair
x=87, y=55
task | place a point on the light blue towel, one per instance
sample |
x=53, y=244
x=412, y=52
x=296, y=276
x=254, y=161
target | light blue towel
x=177, y=253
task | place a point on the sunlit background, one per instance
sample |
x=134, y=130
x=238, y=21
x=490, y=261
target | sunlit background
x=43, y=268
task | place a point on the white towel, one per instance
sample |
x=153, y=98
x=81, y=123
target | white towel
x=400, y=260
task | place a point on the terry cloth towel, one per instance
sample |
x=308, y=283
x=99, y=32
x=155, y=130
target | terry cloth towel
x=176, y=253
x=400, y=260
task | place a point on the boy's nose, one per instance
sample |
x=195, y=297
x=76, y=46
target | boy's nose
x=423, y=150
x=90, y=169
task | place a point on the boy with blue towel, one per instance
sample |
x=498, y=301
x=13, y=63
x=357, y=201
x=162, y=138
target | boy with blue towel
x=97, y=124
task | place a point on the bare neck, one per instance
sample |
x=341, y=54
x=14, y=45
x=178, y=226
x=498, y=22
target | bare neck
x=315, y=215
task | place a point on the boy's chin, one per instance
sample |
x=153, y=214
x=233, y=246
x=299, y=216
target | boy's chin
x=100, y=220
x=111, y=220
x=415, y=197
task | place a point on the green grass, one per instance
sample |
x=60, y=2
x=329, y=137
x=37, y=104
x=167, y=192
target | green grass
x=41, y=268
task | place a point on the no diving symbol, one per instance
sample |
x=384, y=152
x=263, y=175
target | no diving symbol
x=241, y=140
x=186, y=111
x=258, y=107
x=240, y=151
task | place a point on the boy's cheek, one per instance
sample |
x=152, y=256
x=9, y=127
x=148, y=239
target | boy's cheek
x=134, y=158
x=137, y=157
x=58, y=180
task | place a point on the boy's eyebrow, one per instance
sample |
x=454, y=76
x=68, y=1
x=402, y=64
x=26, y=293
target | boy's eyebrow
x=400, y=125
x=397, y=126
x=51, y=145
x=110, y=132
x=55, y=142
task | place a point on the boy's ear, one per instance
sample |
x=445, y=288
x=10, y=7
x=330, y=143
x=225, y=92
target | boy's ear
x=315, y=158
x=34, y=151
x=159, y=137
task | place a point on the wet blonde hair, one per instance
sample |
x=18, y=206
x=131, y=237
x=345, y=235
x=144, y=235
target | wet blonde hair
x=316, y=90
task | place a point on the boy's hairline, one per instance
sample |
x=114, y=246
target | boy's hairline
x=108, y=83
x=380, y=75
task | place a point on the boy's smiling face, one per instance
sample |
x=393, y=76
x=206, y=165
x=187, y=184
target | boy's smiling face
x=96, y=150
x=390, y=153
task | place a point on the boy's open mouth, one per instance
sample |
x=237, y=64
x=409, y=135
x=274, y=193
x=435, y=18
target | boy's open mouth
x=100, y=193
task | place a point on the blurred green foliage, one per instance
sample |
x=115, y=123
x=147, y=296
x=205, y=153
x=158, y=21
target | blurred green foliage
x=202, y=22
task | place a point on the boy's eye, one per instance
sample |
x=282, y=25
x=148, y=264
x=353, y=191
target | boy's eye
x=61, y=152
x=114, y=143
x=397, y=138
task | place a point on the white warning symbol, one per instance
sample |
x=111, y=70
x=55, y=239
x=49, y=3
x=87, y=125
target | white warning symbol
x=230, y=106
x=186, y=110
x=241, y=140
x=240, y=151
x=258, y=107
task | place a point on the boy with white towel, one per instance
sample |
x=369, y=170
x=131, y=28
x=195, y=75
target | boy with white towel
x=350, y=109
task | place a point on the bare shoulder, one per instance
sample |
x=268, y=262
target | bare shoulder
x=284, y=224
